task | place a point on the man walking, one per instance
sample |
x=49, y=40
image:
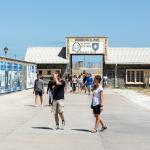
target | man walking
x=50, y=90
x=58, y=99
x=38, y=89
x=89, y=83
x=105, y=81
x=74, y=81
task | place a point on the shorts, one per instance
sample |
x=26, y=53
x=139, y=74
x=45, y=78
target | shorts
x=40, y=93
x=58, y=106
x=89, y=87
x=74, y=87
x=96, y=109
x=80, y=84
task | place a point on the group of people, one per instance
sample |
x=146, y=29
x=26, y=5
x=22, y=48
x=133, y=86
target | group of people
x=81, y=83
x=56, y=89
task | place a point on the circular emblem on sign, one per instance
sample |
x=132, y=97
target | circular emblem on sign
x=76, y=47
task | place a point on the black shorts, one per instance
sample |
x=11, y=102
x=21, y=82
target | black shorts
x=96, y=109
x=74, y=87
x=40, y=93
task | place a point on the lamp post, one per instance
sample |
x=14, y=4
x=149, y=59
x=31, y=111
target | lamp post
x=15, y=55
x=5, y=51
x=6, y=77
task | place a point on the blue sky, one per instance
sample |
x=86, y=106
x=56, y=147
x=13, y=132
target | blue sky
x=25, y=23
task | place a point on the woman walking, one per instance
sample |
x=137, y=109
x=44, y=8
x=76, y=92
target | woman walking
x=97, y=104
x=74, y=81
x=80, y=82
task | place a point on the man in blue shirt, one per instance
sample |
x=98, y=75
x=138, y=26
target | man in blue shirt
x=89, y=83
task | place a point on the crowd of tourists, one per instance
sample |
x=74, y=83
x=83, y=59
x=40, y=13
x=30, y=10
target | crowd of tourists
x=81, y=83
x=84, y=83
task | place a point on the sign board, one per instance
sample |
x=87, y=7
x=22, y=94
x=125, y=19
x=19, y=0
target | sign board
x=86, y=45
x=31, y=75
x=10, y=77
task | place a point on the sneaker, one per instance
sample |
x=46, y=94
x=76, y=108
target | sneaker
x=50, y=105
x=63, y=124
x=94, y=130
x=103, y=128
x=57, y=127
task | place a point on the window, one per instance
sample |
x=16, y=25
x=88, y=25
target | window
x=134, y=76
x=48, y=72
x=139, y=76
x=40, y=71
x=130, y=76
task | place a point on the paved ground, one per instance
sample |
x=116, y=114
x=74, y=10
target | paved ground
x=24, y=127
x=136, y=97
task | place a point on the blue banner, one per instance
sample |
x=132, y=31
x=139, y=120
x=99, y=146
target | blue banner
x=10, y=77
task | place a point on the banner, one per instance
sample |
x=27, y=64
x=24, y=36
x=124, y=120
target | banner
x=31, y=75
x=10, y=77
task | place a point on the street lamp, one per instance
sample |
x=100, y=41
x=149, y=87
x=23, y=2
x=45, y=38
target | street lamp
x=5, y=50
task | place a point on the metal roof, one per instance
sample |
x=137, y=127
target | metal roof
x=86, y=37
x=15, y=60
x=46, y=55
x=128, y=55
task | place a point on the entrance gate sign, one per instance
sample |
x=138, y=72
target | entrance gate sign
x=86, y=46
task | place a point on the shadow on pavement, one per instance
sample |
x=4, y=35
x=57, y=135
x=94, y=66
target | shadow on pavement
x=30, y=105
x=81, y=130
x=44, y=128
x=38, y=105
x=47, y=105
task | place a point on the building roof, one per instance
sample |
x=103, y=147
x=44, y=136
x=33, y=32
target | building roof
x=127, y=55
x=86, y=37
x=14, y=60
x=46, y=55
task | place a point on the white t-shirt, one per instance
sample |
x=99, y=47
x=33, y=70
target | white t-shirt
x=96, y=96
x=74, y=80
x=80, y=80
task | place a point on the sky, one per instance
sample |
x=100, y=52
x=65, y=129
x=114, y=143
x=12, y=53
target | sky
x=26, y=23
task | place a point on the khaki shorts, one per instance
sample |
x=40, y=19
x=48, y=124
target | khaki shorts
x=58, y=106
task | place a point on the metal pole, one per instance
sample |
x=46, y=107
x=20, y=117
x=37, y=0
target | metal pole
x=116, y=84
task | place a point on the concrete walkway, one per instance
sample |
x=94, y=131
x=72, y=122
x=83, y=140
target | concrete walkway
x=24, y=127
x=129, y=124
x=136, y=97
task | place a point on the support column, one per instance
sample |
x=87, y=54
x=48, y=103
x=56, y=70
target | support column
x=116, y=82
